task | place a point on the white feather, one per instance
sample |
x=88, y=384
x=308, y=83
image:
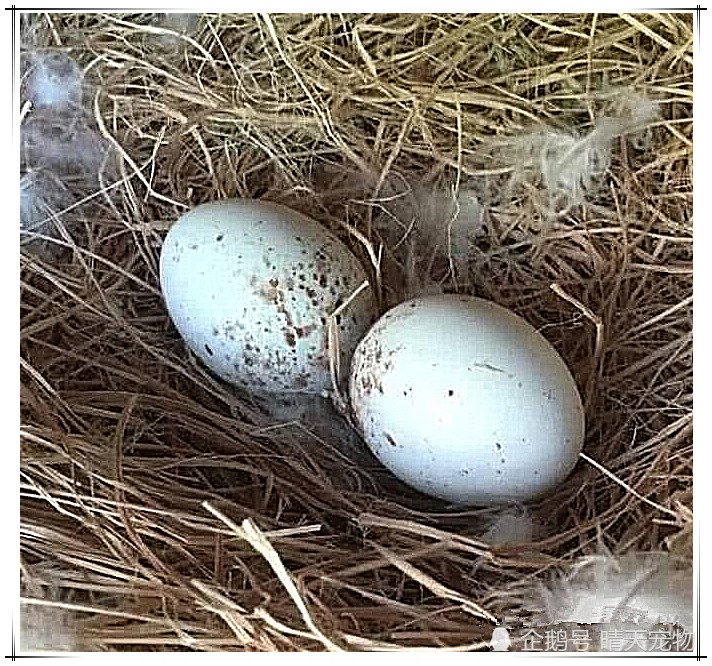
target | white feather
x=53, y=81
x=67, y=146
x=48, y=629
x=643, y=588
x=41, y=196
x=512, y=525
x=569, y=164
x=436, y=222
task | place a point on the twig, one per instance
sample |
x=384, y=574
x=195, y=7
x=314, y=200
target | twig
x=598, y=349
x=434, y=586
x=254, y=536
x=623, y=484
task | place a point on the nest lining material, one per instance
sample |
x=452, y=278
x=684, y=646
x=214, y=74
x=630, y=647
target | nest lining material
x=543, y=162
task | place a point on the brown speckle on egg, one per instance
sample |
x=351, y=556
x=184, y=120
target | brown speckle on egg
x=304, y=331
x=269, y=292
x=301, y=381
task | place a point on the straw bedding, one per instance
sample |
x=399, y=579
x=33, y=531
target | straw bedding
x=543, y=162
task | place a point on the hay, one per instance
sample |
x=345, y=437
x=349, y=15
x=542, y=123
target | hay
x=165, y=510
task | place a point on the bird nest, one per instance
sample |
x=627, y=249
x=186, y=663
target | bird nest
x=540, y=161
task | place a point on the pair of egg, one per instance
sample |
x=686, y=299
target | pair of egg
x=457, y=396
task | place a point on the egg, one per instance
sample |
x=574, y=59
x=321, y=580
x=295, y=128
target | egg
x=250, y=285
x=466, y=401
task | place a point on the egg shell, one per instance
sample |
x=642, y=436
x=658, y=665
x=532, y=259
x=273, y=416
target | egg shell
x=466, y=401
x=249, y=285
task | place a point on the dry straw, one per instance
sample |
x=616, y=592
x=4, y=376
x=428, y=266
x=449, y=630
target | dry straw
x=489, y=154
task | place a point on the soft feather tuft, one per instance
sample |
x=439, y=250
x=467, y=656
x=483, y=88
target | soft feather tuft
x=53, y=80
x=645, y=588
x=512, y=526
x=569, y=164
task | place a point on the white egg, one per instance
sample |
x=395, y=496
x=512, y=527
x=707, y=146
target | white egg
x=464, y=400
x=249, y=285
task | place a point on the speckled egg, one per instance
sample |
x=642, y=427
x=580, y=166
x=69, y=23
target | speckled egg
x=466, y=401
x=249, y=285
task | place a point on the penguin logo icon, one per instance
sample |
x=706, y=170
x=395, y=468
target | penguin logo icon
x=500, y=640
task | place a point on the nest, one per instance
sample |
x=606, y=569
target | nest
x=543, y=162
